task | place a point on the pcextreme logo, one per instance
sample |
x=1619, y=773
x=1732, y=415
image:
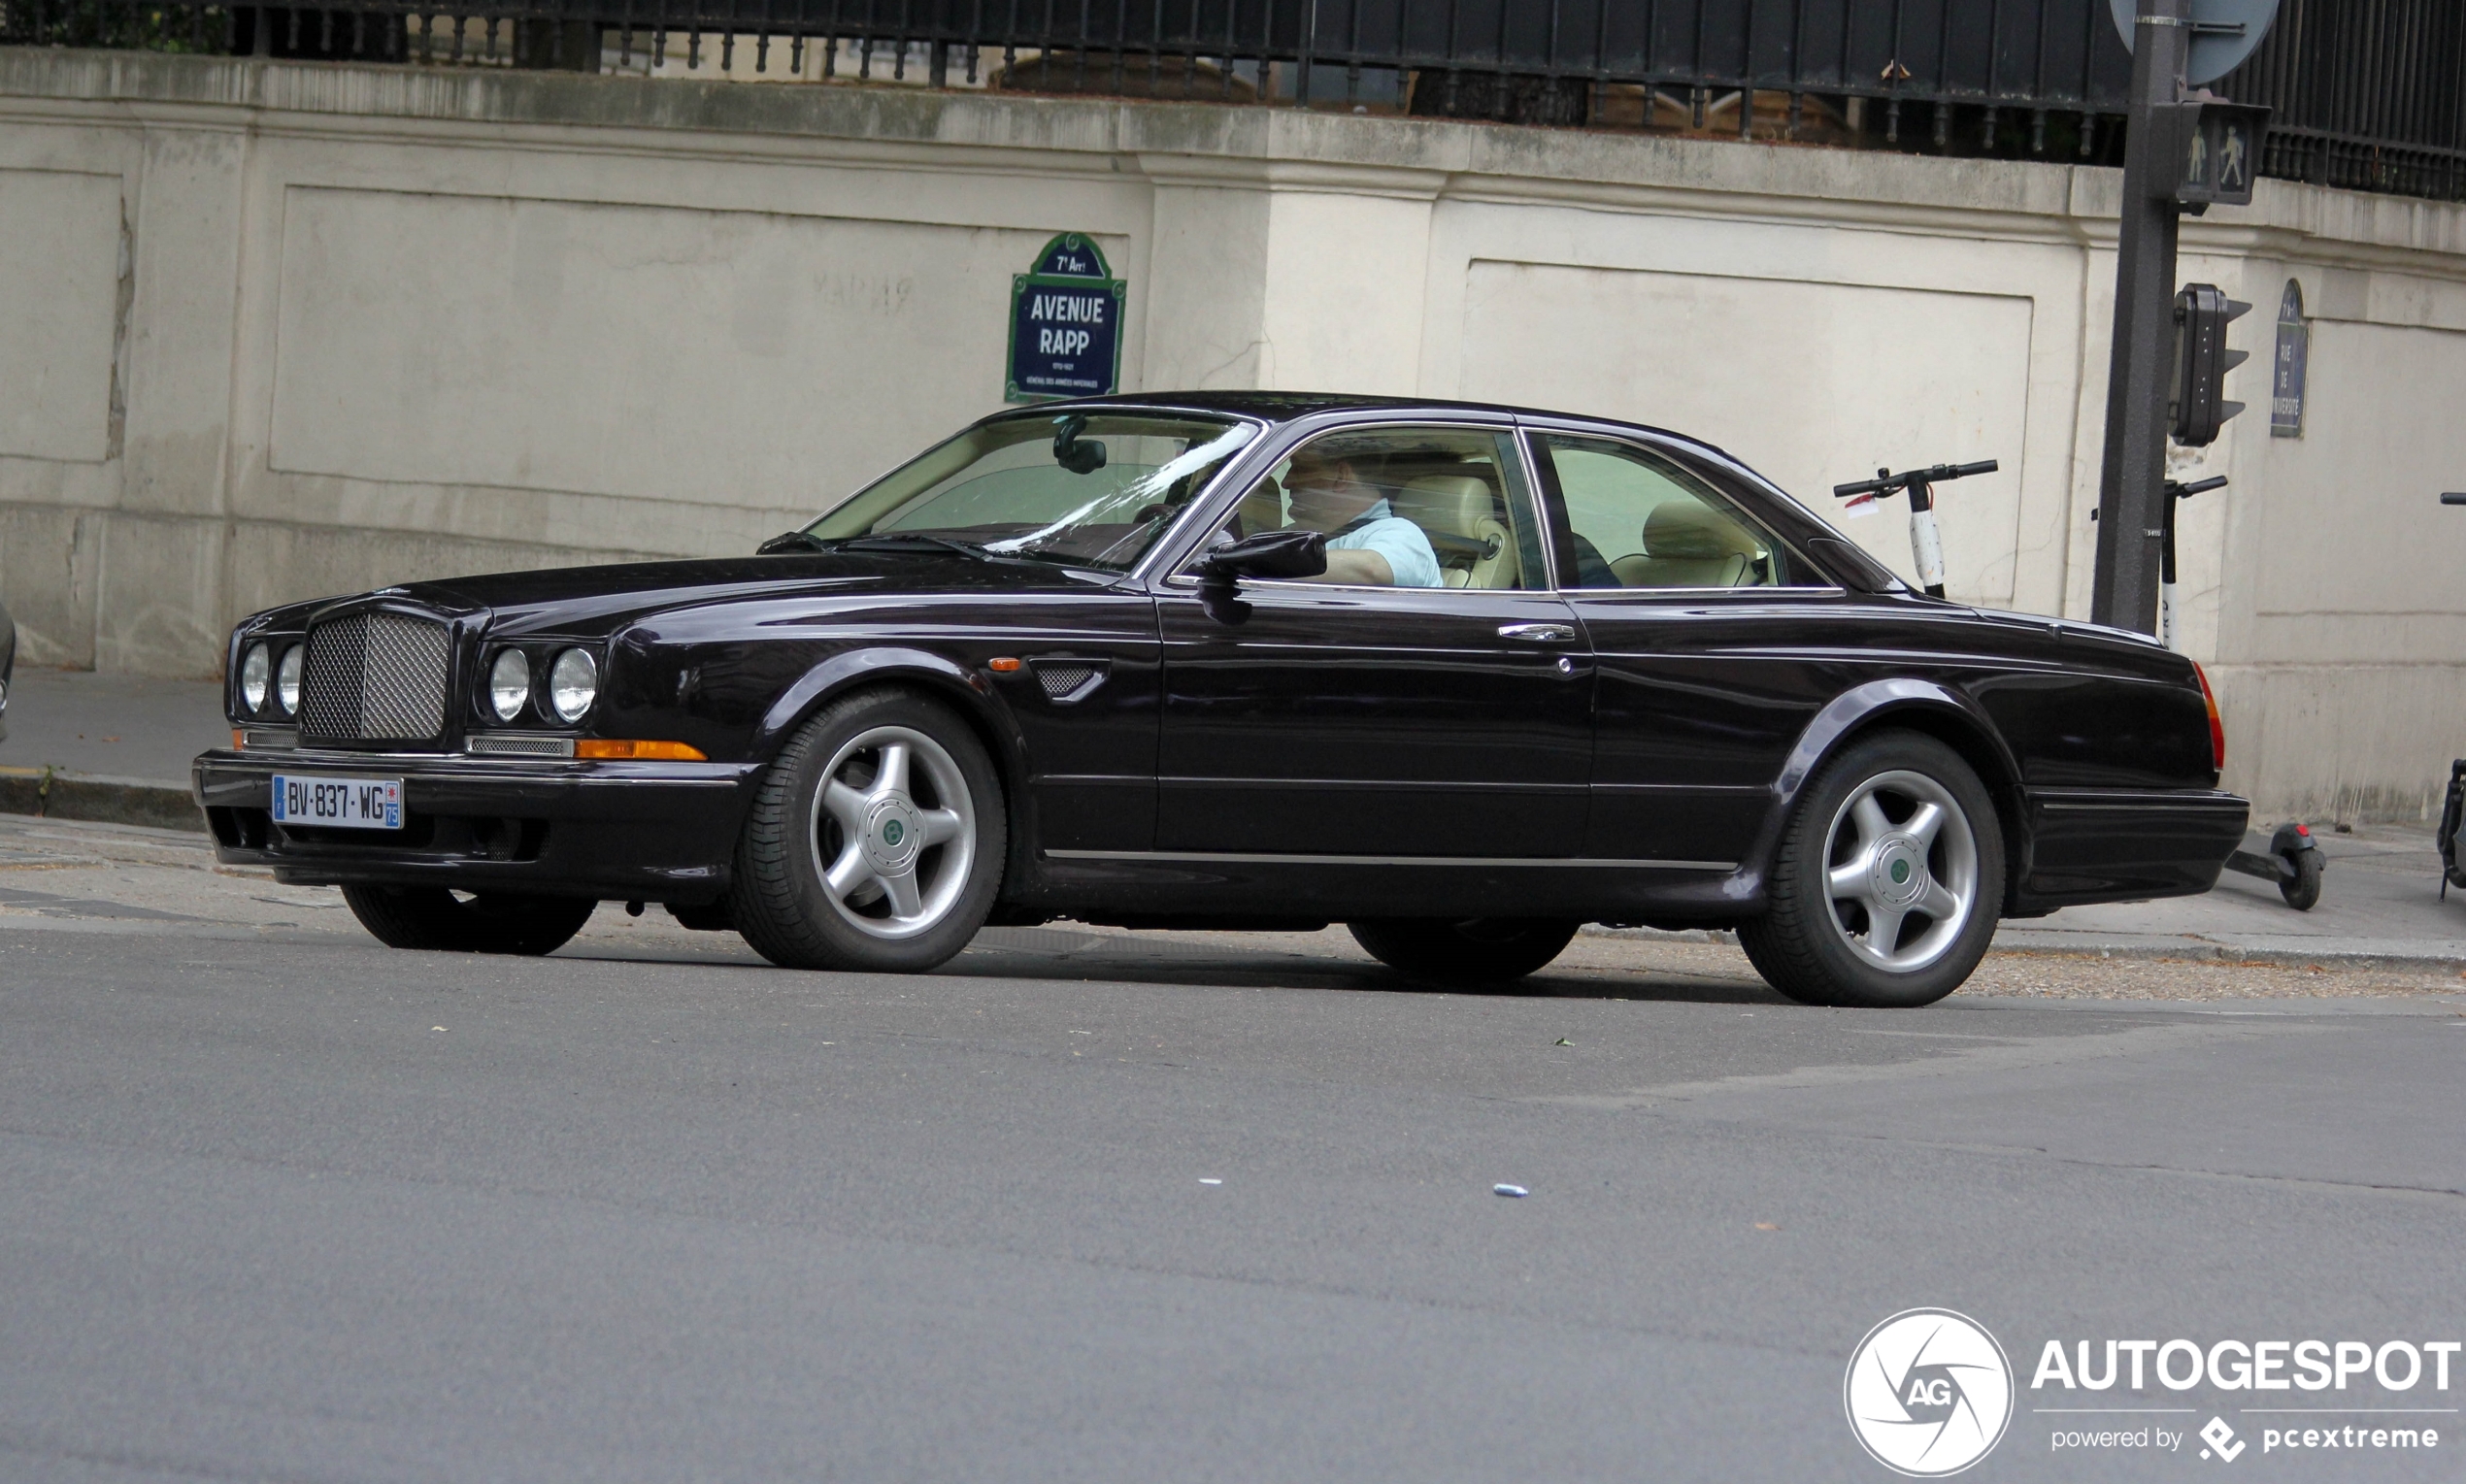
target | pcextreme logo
x=1928, y=1392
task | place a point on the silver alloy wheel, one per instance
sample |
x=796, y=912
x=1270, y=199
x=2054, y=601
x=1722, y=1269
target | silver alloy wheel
x=893, y=832
x=1900, y=848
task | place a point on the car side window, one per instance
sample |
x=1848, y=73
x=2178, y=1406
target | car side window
x=1639, y=521
x=1416, y=506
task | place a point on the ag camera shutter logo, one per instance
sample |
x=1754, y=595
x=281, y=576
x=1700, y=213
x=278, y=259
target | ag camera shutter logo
x=1928, y=1392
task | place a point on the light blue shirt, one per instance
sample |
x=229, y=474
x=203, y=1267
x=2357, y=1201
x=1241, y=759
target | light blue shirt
x=1398, y=539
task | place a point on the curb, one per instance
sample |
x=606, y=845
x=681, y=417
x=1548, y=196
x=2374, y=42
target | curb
x=52, y=794
x=2190, y=950
x=2196, y=952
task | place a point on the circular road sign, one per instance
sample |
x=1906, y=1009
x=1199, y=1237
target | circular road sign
x=2224, y=33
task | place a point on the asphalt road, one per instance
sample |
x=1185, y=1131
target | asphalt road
x=278, y=1203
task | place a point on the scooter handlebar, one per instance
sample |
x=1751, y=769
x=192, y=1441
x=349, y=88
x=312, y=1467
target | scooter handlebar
x=1888, y=484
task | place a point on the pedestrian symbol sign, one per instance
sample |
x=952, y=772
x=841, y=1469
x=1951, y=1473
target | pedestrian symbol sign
x=1065, y=324
x=2220, y=148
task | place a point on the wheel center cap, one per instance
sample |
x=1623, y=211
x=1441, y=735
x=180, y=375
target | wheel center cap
x=891, y=835
x=1900, y=873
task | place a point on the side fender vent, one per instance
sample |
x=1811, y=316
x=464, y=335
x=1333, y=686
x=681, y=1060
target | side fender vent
x=1066, y=680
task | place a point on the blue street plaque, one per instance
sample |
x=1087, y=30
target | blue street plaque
x=1065, y=324
x=2286, y=378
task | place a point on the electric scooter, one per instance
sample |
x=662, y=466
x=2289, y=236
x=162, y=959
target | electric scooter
x=1926, y=545
x=2453, y=805
x=2293, y=860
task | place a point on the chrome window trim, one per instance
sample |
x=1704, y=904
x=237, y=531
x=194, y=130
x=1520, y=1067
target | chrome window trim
x=1266, y=453
x=1650, y=443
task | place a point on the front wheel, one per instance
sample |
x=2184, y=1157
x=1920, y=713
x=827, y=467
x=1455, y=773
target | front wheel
x=1889, y=882
x=875, y=842
x=1472, y=950
x=2303, y=893
x=468, y=922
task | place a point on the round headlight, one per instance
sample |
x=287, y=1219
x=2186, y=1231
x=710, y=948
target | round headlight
x=510, y=685
x=573, y=684
x=257, y=667
x=286, y=679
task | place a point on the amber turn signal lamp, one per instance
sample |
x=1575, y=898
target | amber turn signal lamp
x=1002, y=666
x=637, y=751
x=2217, y=726
x=239, y=739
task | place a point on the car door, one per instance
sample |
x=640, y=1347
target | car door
x=1710, y=639
x=1362, y=721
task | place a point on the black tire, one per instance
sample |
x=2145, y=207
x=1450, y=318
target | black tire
x=490, y=922
x=1471, y=950
x=1820, y=953
x=2303, y=893
x=782, y=899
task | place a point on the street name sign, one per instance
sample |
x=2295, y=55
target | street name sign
x=1065, y=324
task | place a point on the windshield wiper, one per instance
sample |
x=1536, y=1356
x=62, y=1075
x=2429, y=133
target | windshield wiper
x=792, y=541
x=910, y=541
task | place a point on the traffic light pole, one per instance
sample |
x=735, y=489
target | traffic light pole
x=2131, y=485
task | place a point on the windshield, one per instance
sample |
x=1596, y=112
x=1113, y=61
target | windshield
x=1083, y=489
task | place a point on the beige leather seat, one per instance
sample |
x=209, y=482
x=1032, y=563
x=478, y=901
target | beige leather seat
x=1263, y=508
x=1691, y=544
x=1459, y=505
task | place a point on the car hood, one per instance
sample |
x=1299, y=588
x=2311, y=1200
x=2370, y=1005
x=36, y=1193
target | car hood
x=578, y=600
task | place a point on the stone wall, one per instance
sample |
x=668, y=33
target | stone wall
x=273, y=330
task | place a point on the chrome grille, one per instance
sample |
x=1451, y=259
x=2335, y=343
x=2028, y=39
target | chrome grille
x=374, y=678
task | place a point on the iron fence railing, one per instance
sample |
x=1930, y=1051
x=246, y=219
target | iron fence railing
x=2368, y=92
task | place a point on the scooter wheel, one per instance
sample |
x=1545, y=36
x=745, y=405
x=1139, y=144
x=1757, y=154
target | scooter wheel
x=2303, y=893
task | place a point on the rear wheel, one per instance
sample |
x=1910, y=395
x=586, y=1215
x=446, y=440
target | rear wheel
x=1467, y=950
x=876, y=842
x=1889, y=882
x=467, y=922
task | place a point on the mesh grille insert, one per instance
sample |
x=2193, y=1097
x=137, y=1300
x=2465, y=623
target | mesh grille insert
x=1065, y=680
x=374, y=678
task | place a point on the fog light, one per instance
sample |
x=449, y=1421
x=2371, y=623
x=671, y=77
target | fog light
x=573, y=684
x=509, y=684
x=286, y=679
x=257, y=667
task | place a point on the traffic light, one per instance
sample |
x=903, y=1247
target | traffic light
x=2199, y=406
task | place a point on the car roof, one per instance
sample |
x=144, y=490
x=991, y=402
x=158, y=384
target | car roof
x=1281, y=407
x=1292, y=406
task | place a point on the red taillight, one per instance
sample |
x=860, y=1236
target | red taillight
x=2216, y=727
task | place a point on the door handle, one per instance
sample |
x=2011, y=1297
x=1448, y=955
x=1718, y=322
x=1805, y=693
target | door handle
x=1538, y=632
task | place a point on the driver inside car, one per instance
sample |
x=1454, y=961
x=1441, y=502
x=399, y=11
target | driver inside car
x=1368, y=543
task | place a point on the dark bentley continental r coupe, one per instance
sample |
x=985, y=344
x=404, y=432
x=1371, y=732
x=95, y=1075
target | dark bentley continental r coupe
x=1461, y=678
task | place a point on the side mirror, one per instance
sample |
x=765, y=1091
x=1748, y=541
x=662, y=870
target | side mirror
x=1288, y=553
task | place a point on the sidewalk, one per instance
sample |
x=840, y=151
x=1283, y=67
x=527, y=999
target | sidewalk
x=2379, y=902
x=82, y=745
x=118, y=750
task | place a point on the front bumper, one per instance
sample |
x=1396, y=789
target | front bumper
x=658, y=832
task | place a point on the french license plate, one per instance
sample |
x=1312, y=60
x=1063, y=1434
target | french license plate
x=348, y=803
